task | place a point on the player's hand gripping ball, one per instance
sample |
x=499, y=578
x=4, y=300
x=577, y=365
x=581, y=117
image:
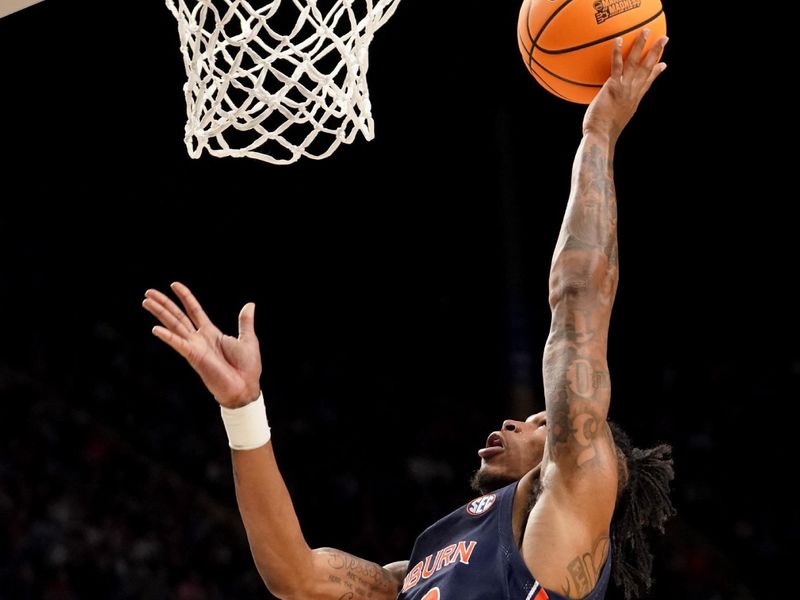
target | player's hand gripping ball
x=566, y=44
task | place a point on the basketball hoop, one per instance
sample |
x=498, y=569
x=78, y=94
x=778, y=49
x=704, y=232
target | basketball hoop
x=277, y=80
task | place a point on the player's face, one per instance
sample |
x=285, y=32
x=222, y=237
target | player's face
x=512, y=451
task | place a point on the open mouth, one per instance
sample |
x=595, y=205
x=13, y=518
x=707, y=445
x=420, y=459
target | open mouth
x=494, y=446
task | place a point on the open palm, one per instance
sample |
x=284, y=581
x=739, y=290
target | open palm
x=230, y=367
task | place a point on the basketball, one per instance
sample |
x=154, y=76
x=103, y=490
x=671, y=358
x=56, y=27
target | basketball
x=567, y=44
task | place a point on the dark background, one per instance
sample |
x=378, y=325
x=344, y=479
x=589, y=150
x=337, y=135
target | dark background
x=401, y=288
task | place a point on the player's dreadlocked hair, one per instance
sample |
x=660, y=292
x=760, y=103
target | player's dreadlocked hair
x=642, y=504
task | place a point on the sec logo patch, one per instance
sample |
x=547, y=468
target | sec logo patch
x=481, y=505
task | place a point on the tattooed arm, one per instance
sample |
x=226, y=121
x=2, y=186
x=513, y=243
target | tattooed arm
x=566, y=538
x=230, y=367
x=290, y=569
x=584, y=271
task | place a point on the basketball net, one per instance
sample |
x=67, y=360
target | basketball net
x=277, y=80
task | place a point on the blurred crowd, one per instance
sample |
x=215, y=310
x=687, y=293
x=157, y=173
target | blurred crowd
x=122, y=490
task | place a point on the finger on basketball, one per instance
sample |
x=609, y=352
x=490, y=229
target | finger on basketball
x=635, y=55
x=654, y=54
x=616, y=58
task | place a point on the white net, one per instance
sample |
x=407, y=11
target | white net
x=277, y=80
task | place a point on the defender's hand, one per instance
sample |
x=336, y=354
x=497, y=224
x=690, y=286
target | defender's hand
x=230, y=367
x=618, y=99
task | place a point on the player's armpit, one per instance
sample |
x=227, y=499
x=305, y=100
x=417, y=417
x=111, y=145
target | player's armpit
x=338, y=575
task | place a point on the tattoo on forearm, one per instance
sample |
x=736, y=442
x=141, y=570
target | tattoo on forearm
x=584, y=570
x=592, y=220
x=359, y=578
x=575, y=328
x=576, y=376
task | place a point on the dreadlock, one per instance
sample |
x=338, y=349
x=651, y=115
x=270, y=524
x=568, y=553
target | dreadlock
x=643, y=503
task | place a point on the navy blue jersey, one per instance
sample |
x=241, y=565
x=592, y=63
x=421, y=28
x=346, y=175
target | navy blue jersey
x=471, y=555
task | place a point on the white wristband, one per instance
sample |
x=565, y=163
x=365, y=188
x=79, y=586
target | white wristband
x=247, y=426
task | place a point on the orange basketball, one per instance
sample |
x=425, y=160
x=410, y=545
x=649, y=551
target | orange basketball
x=566, y=44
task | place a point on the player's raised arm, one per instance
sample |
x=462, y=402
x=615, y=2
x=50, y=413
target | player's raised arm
x=230, y=367
x=584, y=272
x=567, y=535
